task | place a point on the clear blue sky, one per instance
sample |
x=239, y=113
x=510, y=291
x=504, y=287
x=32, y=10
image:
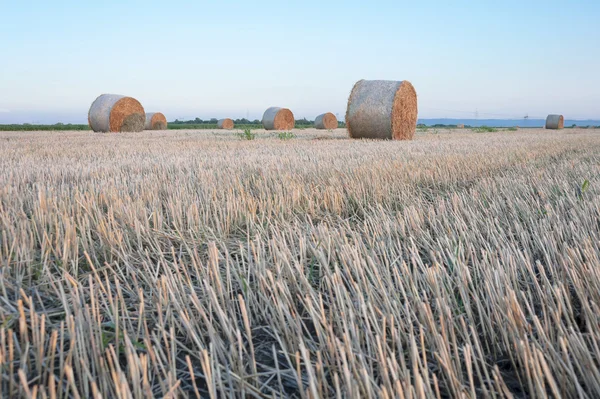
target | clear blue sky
x=230, y=58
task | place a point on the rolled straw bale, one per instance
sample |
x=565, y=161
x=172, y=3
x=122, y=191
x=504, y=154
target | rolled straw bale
x=276, y=118
x=116, y=113
x=326, y=121
x=155, y=121
x=225, y=124
x=382, y=109
x=555, y=122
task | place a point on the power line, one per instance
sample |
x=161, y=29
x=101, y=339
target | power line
x=477, y=112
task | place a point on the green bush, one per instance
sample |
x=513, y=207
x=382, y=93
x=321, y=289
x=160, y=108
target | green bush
x=247, y=134
x=485, y=129
x=286, y=135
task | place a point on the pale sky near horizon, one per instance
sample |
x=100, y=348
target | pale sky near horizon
x=234, y=59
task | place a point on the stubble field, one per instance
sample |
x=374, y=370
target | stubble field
x=195, y=263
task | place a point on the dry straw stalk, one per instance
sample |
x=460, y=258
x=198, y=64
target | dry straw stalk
x=199, y=265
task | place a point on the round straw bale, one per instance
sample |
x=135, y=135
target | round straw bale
x=382, y=109
x=555, y=122
x=326, y=121
x=225, y=124
x=115, y=113
x=155, y=121
x=276, y=118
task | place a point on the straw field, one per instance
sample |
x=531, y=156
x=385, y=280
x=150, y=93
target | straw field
x=187, y=263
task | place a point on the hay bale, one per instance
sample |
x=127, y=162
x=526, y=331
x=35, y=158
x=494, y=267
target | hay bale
x=116, y=113
x=276, y=118
x=155, y=121
x=382, y=109
x=326, y=121
x=225, y=124
x=555, y=122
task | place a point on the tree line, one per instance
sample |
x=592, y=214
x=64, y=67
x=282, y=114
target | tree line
x=243, y=122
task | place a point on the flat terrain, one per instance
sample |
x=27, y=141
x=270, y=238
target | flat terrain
x=195, y=263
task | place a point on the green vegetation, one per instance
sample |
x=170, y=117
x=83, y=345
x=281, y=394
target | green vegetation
x=27, y=127
x=196, y=124
x=247, y=134
x=286, y=135
x=485, y=129
x=210, y=126
x=512, y=129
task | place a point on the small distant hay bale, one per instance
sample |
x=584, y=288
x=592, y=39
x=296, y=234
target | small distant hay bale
x=461, y=126
x=155, y=121
x=225, y=124
x=116, y=113
x=326, y=121
x=276, y=118
x=555, y=122
x=382, y=109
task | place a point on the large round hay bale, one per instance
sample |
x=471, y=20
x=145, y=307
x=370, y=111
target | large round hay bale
x=225, y=124
x=555, y=122
x=116, y=113
x=326, y=121
x=276, y=118
x=155, y=121
x=382, y=109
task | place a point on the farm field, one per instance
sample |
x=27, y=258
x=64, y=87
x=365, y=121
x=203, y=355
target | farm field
x=201, y=264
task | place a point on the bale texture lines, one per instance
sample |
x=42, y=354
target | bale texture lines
x=116, y=113
x=276, y=118
x=382, y=109
x=555, y=122
x=155, y=121
x=225, y=124
x=326, y=121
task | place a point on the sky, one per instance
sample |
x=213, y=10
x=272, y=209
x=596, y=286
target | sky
x=188, y=59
